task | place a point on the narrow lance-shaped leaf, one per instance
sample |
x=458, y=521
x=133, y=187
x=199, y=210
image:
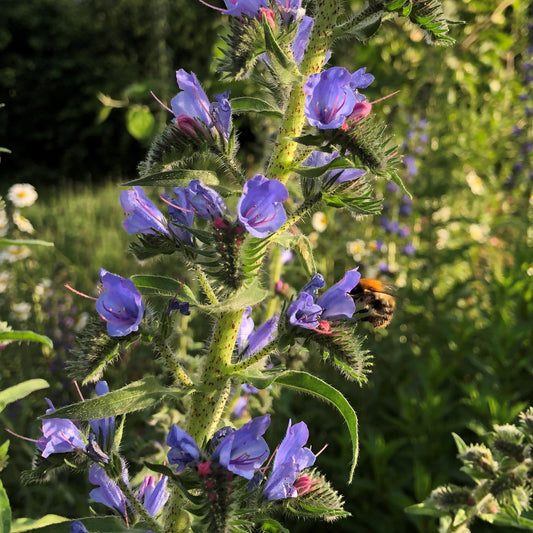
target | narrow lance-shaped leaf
x=26, y=336
x=21, y=390
x=304, y=382
x=175, y=178
x=163, y=286
x=141, y=394
x=249, y=104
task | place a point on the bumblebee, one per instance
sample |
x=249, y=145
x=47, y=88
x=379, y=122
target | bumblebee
x=375, y=302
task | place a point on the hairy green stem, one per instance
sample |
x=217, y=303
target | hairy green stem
x=174, y=366
x=319, y=42
x=206, y=286
x=208, y=402
x=274, y=277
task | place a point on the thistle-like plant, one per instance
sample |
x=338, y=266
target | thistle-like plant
x=228, y=230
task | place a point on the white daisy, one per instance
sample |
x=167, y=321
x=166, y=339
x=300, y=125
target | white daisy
x=4, y=278
x=14, y=253
x=22, y=194
x=475, y=183
x=22, y=223
x=319, y=221
x=21, y=311
x=4, y=223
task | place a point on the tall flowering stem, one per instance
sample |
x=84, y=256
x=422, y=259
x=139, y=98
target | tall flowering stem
x=207, y=403
x=321, y=38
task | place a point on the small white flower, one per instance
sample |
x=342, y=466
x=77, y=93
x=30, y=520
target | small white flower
x=80, y=322
x=4, y=223
x=475, y=183
x=443, y=237
x=356, y=248
x=442, y=215
x=43, y=289
x=22, y=194
x=21, y=311
x=479, y=232
x=319, y=221
x=313, y=239
x=4, y=278
x=22, y=223
x=14, y=253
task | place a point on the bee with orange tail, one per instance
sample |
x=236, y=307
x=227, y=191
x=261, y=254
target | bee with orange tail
x=374, y=300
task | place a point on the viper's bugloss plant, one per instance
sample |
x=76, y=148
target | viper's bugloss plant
x=227, y=231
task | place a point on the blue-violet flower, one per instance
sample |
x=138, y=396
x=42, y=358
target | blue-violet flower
x=260, y=208
x=143, y=215
x=120, y=305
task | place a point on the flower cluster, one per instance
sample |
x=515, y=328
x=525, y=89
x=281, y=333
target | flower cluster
x=260, y=209
x=243, y=452
x=314, y=312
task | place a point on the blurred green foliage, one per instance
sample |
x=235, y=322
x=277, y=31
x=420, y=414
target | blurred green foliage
x=454, y=359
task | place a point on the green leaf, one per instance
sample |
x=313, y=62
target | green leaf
x=140, y=122
x=425, y=510
x=247, y=104
x=362, y=30
x=501, y=519
x=395, y=178
x=175, y=177
x=273, y=526
x=60, y=524
x=163, y=286
x=460, y=443
x=315, y=172
x=136, y=396
x=5, y=511
x=25, y=242
x=305, y=382
x=250, y=294
x=26, y=336
x=276, y=54
x=16, y=392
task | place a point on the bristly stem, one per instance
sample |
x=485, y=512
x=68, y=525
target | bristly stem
x=206, y=286
x=174, y=366
x=208, y=402
x=319, y=42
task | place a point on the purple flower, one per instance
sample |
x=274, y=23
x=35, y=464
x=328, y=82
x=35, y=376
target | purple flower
x=314, y=284
x=302, y=37
x=291, y=458
x=245, y=329
x=329, y=98
x=103, y=428
x=260, y=338
x=304, y=312
x=180, y=214
x=203, y=201
x=337, y=302
x=291, y=9
x=120, y=305
x=260, y=208
x=408, y=249
x=194, y=113
x=153, y=496
x=360, y=80
x=410, y=162
x=143, y=215
x=244, y=451
x=60, y=435
x=183, y=451
x=238, y=8
x=77, y=527
x=107, y=492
